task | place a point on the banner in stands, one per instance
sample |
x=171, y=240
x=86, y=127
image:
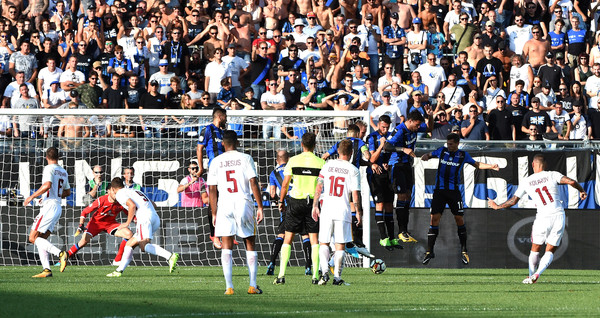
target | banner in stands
x=159, y=173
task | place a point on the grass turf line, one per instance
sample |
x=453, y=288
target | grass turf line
x=84, y=291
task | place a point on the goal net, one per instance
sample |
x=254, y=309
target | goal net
x=159, y=147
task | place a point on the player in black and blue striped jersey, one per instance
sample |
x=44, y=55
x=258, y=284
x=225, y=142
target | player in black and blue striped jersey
x=402, y=146
x=210, y=137
x=447, y=191
x=379, y=182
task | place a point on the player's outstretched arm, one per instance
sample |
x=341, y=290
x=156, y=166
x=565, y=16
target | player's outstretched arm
x=318, y=190
x=212, y=200
x=257, y=197
x=45, y=187
x=576, y=185
x=426, y=156
x=512, y=201
x=486, y=166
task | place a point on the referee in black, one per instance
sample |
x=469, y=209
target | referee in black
x=303, y=170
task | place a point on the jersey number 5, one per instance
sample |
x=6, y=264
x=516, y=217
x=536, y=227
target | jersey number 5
x=228, y=173
x=545, y=189
x=336, y=186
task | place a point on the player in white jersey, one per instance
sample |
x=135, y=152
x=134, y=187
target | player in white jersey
x=549, y=224
x=232, y=181
x=147, y=222
x=55, y=187
x=337, y=180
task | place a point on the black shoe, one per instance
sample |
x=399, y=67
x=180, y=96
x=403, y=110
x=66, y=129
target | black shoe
x=428, y=257
x=464, y=257
x=271, y=269
x=279, y=281
x=324, y=279
x=338, y=281
x=314, y=281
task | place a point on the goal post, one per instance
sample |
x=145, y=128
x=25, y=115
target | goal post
x=162, y=144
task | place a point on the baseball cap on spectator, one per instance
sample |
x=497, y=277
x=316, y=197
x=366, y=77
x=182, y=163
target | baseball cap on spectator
x=235, y=18
x=369, y=16
x=535, y=99
x=416, y=92
x=248, y=89
x=55, y=82
x=311, y=15
x=329, y=32
x=231, y=45
x=550, y=55
x=163, y=62
x=576, y=103
x=92, y=7
x=289, y=37
x=560, y=55
x=385, y=94
x=332, y=55
x=489, y=23
x=546, y=85
x=97, y=64
x=298, y=22
x=153, y=83
x=74, y=93
x=416, y=20
x=455, y=128
x=394, y=15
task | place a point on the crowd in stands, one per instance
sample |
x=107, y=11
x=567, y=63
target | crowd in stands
x=496, y=69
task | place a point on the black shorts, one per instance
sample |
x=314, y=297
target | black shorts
x=299, y=216
x=281, y=226
x=451, y=197
x=402, y=177
x=381, y=187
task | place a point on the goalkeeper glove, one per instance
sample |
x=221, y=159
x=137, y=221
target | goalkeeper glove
x=80, y=229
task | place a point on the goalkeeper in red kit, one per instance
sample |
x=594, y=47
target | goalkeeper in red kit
x=104, y=216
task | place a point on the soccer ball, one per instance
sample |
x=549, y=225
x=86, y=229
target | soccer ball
x=378, y=266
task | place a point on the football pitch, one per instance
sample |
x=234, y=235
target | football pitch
x=84, y=291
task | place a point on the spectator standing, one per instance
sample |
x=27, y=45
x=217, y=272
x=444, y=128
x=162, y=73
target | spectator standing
x=193, y=188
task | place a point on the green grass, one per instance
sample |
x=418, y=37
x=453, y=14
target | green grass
x=84, y=291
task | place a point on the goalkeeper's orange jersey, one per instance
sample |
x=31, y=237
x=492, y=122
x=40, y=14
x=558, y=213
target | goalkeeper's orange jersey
x=104, y=210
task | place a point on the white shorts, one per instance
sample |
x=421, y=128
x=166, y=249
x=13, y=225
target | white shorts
x=145, y=228
x=47, y=218
x=235, y=218
x=341, y=231
x=548, y=229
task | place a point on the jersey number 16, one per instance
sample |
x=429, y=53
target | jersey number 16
x=336, y=186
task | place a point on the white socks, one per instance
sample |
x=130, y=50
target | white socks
x=534, y=260
x=545, y=262
x=252, y=259
x=126, y=259
x=339, y=259
x=227, y=261
x=324, y=258
x=157, y=250
x=44, y=247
